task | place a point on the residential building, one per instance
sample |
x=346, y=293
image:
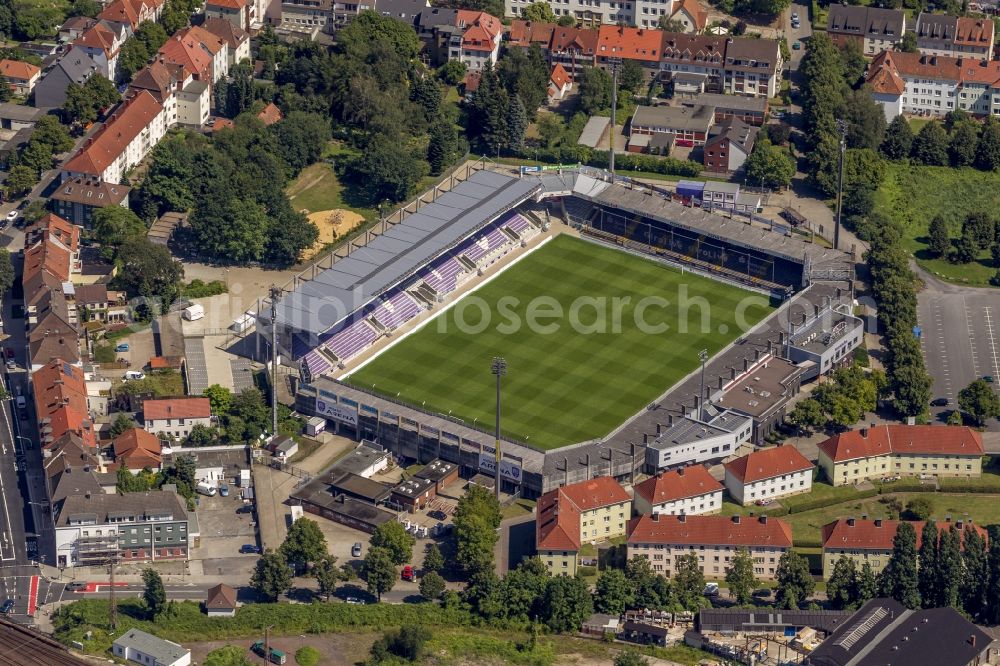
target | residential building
x=220, y=601
x=695, y=63
x=873, y=28
x=61, y=405
x=21, y=76
x=690, y=125
x=95, y=302
x=696, y=437
x=308, y=16
x=270, y=114
x=480, y=38
x=589, y=511
x=689, y=490
x=103, y=43
x=883, y=631
x=75, y=26
x=729, y=145
x=954, y=36
x=176, y=416
x=76, y=199
x=560, y=84
x=768, y=474
x=124, y=140
x=869, y=541
x=645, y=47
x=93, y=527
x=663, y=539
x=214, y=45
x=74, y=66
x=586, y=13
x=525, y=34
x=750, y=110
x=235, y=12
x=148, y=650
x=689, y=14
x=136, y=450
x=19, y=117
x=859, y=455
x=237, y=39
x=753, y=68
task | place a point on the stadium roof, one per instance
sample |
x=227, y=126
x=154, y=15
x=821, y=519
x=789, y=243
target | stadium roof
x=319, y=304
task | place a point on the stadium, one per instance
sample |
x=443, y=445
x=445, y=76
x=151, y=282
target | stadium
x=378, y=337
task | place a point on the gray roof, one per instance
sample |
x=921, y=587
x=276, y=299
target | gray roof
x=728, y=188
x=164, y=651
x=738, y=133
x=319, y=304
x=865, y=21
x=593, y=130
x=762, y=619
x=27, y=114
x=936, y=26
x=406, y=11
x=732, y=102
x=358, y=460
x=693, y=118
x=435, y=16
x=77, y=64
x=688, y=429
x=140, y=505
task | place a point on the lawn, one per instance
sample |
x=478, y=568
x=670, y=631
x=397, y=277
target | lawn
x=915, y=194
x=317, y=189
x=573, y=377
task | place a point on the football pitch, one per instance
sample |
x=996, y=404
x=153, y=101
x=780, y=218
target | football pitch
x=619, y=343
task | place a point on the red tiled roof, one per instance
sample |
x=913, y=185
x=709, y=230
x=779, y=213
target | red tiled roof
x=677, y=484
x=187, y=53
x=559, y=77
x=177, y=408
x=221, y=597
x=693, y=9
x=482, y=29
x=15, y=69
x=558, y=511
x=875, y=534
x=121, y=11
x=138, y=449
x=98, y=37
x=222, y=123
x=270, y=114
x=227, y=4
x=525, y=33
x=974, y=32
x=102, y=149
x=919, y=439
x=883, y=77
x=207, y=39
x=589, y=495
x=49, y=256
x=565, y=39
x=633, y=43
x=767, y=464
x=710, y=531
x=51, y=225
x=60, y=395
x=471, y=81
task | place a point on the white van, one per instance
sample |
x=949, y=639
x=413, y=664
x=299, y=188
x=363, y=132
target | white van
x=133, y=374
x=206, y=489
x=194, y=312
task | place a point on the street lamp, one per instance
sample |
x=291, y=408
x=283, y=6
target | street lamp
x=842, y=130
x=499, y=369
x=703, y=357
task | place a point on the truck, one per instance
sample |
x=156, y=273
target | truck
x=276, y=657
x=193, y=312
x=206, y=489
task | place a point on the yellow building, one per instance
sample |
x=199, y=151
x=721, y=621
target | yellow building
x=587, y=512
x=871, y=540
x=890, y=450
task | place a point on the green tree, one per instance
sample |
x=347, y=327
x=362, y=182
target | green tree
x=433, y=559
x=842, y=588
x=393, y=537
x=909, y=43
x=232, y=230
x=452, y=72
x=992, y=610
x=740, y=576
x=918, y=508
x=272, y=576
x=227, y=655
x=6, y=271
x=154, y=595
x=220, y=398
x=939, y=242
x=525, y=75
x=379, y=571
x=370, y=27
x=979, y=401
x=949, y=568
x=442, y=145
x=769, y=166
x=476, y=519
x=898, y=139
x=148, y=269
x=928, y=574
x=20, y=180
x=865, y=118
x=689, y=581
x=432, y=585
x=566, y=604
x=651, y=589
x=962, y=147
x=517, y=123
x=988, y=148
x=966, y=248
x=202, y=435
x=301, y=137
x=113, y=225
x=304, y=544
x=795, y=583
x=930, y=146
x=667, y=24
x=595, y=90
x=122, y=423
x=538, y=11
x=519, y=593
x=387, y=170
x=327, y=575
x=867, y=584
x=981, y=227
x=613, y=592
x=631, y=76
x=975, y=579
x=899, y=577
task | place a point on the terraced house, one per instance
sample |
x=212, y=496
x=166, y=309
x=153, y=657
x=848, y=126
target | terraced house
x=586, y=512
x=890, y=450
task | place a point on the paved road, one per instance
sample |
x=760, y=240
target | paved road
x=960, y=336
x=804, y=31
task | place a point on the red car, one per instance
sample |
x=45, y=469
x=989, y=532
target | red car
x=408, y=573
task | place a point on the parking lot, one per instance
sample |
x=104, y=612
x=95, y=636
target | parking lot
x=225, y=526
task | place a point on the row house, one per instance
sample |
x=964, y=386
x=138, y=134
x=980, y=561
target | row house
x=873, y=28
x=872, y=453
x=641, y=45
x=126, y=137
x=61, y=403
x=753, y=68
x=471, y=37
x=870, y=541
x=768, y=474
x=689, y=490
x=73, y=27
x=632, y=13
x=586, y=512
x=572, y=48
x=20, y=76
x=928, y=85
x=664, y=539
x=76, y=199
x=955, y=36
x=95, y=302
x=234, y=12
x=132, y=13
x=729, y=146
x=176, y=416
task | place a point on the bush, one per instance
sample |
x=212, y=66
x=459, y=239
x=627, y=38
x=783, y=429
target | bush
x=199, y=289
x=307, y=656
x=105, y=354
x=587, y=571
x=918, y=508
x=407, y=643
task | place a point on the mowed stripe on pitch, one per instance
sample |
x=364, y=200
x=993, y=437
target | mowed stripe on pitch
x=566, y=386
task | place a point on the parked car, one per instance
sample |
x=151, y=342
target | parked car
x=12, y=215
x=76, y=586
x=224, y=490
x=122, y=347
x=8, y=607
x=408, y=573
x=711, y=590
x=988, y=379
x=763, y=502
x=353, y=600
x=133, y=374
x=797, y=46
x=250, y=549
x=356, y=550
x=438, y=515
x=939, y=402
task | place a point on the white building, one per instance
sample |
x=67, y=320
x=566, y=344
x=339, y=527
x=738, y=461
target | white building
x=148, y=650
x=768, y=474
x=176, y=416
x=685, y=490
x=688, y=440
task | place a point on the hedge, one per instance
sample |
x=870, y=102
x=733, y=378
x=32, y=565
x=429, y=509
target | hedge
x=599, y=159
x=830, y=501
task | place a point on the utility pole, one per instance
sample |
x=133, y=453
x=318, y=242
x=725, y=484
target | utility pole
x=842, y=130
x=112, y=602
x=703, y=357
x=499, y=369
x=614, y=104
x=267, y=643
x=275, y=296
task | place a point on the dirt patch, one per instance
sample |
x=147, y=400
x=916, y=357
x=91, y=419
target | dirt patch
x=332, y=224
x=342, y=649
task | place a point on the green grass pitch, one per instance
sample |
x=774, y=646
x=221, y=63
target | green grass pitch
x=572, y=384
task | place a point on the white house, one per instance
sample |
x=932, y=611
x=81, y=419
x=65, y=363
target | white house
x=560, y=83
x=176, y=416
x=768, y=474
x=687, y=440
x=148, y=650
x=685, y=490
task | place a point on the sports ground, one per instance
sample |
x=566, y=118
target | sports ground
x=566, y=383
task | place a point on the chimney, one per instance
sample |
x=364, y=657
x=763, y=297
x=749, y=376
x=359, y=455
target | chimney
x=680, y=471
x=972, y=640
x=682, y=518
x=736, y=519
x=656, y=517
x=659, y=474
x=850, y=522
x=763, y=520
x=781, y=338
x=878, y=522
x=864, y=516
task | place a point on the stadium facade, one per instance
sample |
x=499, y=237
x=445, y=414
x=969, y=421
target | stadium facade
x=445, y=238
